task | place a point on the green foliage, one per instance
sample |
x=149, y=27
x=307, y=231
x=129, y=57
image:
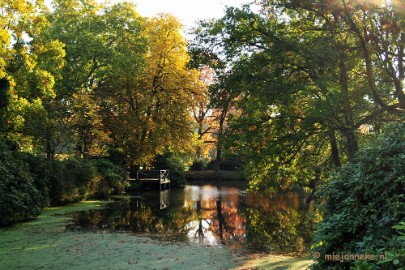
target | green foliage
x=292, y=75
x=85, y=77
x=39, y=174
x=199, y=165
x=228, y=163
x=395, y=258
x=72, y=179
x=64, y=181
x=364, y=200
x=171, y=161
x=19, y=197
x=280, y=229
x=108, y=178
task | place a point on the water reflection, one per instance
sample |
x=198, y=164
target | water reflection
x=219, y=220
x=283, y=223
x=209, y=215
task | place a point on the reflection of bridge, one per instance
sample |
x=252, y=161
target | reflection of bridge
x=153, y=177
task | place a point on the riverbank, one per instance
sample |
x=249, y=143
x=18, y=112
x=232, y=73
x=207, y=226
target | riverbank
x=210, y=175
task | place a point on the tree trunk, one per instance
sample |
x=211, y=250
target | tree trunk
x=351, y=140
x=399, y=82
x=220, y=133
x=334, y=149
x=351, y=145
x=4, y=101
x=221, y=219
x=218, y=158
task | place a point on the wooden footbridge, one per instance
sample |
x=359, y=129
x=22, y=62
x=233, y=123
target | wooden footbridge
x=153, y=178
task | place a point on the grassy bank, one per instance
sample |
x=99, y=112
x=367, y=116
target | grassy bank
x=279, y=262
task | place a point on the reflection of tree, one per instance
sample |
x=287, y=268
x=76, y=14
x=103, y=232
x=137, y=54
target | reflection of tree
x=288, y=230
x=272, y=224
x=219, y=221
x=230, y=220
x=221, y=218
x=135, y=216
x=215, y=224
x=200, y=232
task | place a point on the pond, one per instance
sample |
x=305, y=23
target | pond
x=208, y=215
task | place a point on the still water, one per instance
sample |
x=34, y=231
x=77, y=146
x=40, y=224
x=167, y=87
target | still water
x=209, y=215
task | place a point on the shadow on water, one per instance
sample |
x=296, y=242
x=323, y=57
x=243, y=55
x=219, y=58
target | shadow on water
x=209, y=215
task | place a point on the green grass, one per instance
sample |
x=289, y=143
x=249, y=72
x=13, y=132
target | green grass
x=279, y=262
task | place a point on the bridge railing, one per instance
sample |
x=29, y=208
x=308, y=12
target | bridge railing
x=161, y=175
x=164, y=175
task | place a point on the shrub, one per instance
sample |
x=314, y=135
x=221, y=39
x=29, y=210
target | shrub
x=67, y=179
x=59, y=188
x=19, y=197
x=199, y=165
x=173, y=163
x=107, y=179
x=28, y=183
x=72, y=179
x=363, y=201
x=395, y=258
x=228, y=163
x=39, y=173
x=62, y=181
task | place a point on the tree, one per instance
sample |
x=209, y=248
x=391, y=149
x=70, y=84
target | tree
x=300, y=76
x=204, y=115
x=29, y=65
x=149, y=111
x=102, y=44
x=19, y=197
x=214, y=114
x=4, y=101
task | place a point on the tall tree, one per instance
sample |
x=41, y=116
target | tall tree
x=102, y=45
x=204, y=115
x=304, y=84
x=149, y=111
x=213, y=115
x=29, y=63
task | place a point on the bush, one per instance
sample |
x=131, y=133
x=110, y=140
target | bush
x=363, y=201
x=396, y=257
x=228, y=163
x=72, y=179
x=39, y=174
x=19, y=197
x=107, y=180
x=199, y=165
x=170, y=161
x=60, y=189
x=67, y=180
x=29, y=183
